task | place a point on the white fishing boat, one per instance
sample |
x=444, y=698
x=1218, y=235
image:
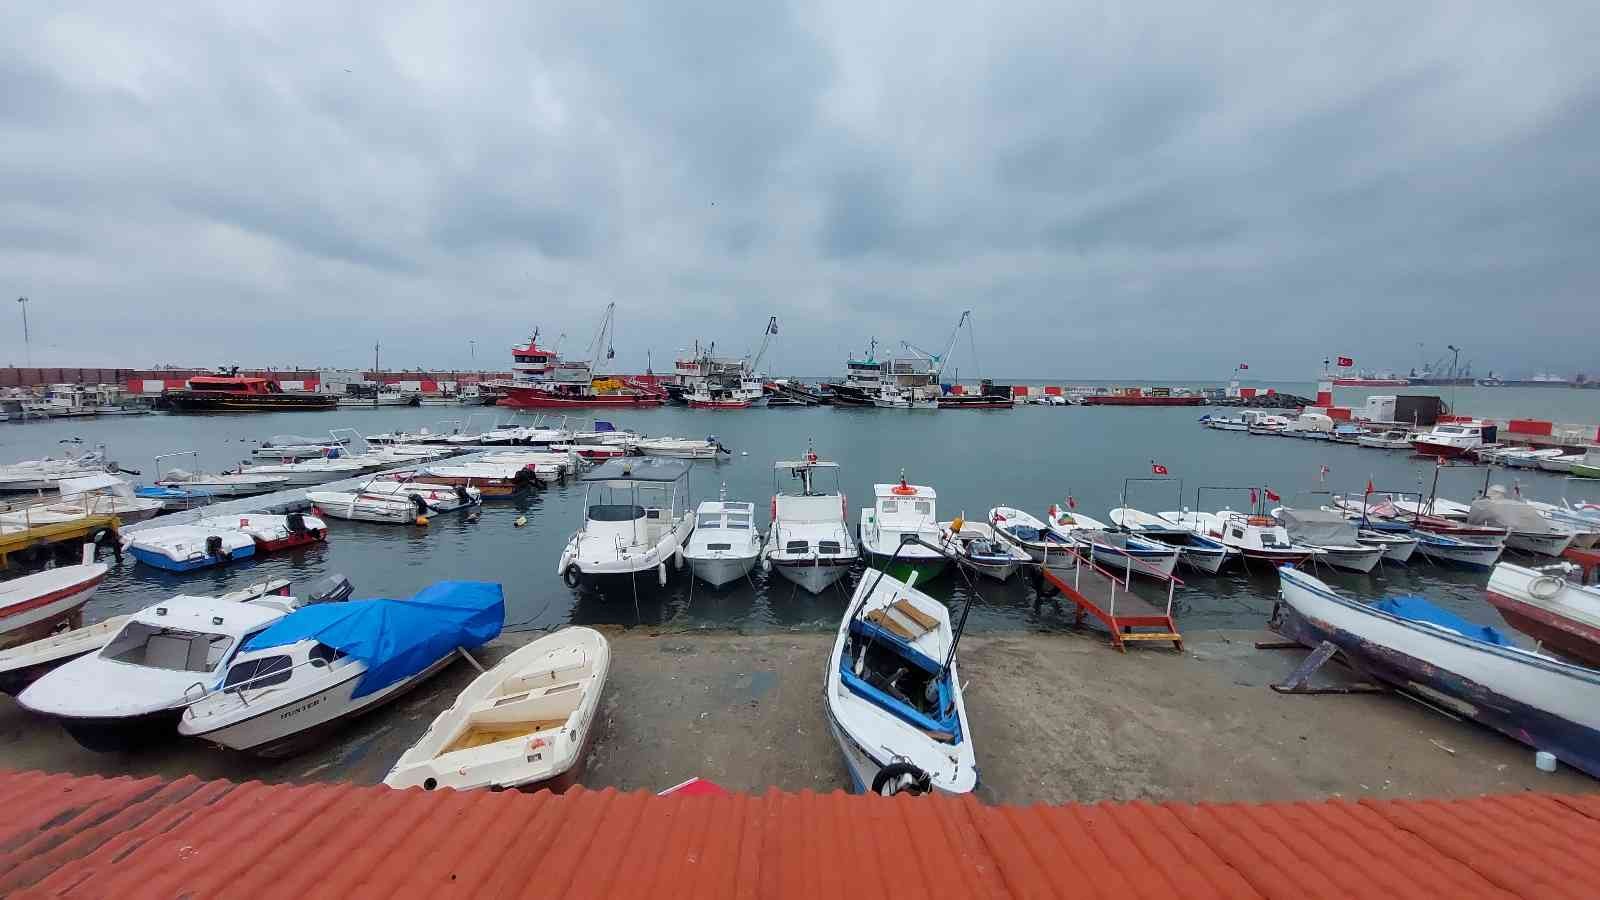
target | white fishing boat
x=308, y=471
x=1311, y=426
x=1118, y=551
x=1585, y=524
x=1226, y=423
x=493, y=478
x=1562, y=464
x=894, y=693
x=1392, y=439
x=1526, y=528
x=1455, y=439
x=1269, y=425
x=321, y=665
x=978, y=548
x=636, y=519
x=226, y=485
x=46, y=473
x=1255, y=538
x=1397, y=546
x=1444, y=548
x=1031, y=535
x=1197, y=551
x=604, y=432
x=526, y=723
x=294, y=446
x=1459, y=666
x=403, y=502
x=899, y=510
x=725, y=545
x=1529, y=458
x=132, y=691
x=809, y=541
x=680, y=448
x=1332, y=534
x=1552, y=605
x=34, y=606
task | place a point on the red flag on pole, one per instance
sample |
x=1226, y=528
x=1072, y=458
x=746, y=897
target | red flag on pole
x=1072, y=502
x=1370, y=488
x=1253, y=499
x=1244, y=367
x=1346, y=362
x=1272, y=497
x=1322, y=474
x=1157, y=468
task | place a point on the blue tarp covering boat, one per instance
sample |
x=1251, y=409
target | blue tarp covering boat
x=1419, y=610
x=396, y=638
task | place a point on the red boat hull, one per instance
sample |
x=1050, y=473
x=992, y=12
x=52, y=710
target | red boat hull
x=295, y=539
x=527, y=398
x=1423, y=448
x=1567, y=636
x=719, y=404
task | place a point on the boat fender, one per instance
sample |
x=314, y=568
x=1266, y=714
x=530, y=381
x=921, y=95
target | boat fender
x=661, y=574
x=766, y=564
x=772, y=512
x=571, y=575
x=901, y=777
x=1545, y=587
x=214, y=545
x=677, y=559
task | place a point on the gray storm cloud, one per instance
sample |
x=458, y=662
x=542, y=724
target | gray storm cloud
x=1159, y=191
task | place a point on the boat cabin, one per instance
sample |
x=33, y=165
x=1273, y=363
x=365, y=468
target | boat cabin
x=255, y=673
x=190, y=634
x=904, y=507
x=531, y=363
x=1455, y=438
x=638, y=501
x=811, y=519
x=736, y=517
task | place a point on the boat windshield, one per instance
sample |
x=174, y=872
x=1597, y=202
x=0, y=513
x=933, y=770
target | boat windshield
x=709, y=520
x=615, y=512
x=141, y=644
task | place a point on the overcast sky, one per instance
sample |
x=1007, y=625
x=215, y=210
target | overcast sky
x=1162, y=191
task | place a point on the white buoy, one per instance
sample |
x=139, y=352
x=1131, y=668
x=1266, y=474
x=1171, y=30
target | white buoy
x=661, y=574
x=1545, y=761
x=744, y=452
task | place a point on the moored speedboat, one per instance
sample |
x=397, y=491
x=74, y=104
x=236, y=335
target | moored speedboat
x=1392, y=439
x=1122, y=552
x=233, y=484
x=893, y=692
x=724, y=545
x=183, y=548
x=1454, y=439
x=1551, y=607
x=1197, y=551
x=978, y=548
x=132, y=692
x=1526, y=528
x=322, y=664
x=899, y=510
x=308, y=471
x=525, y=723
x=1255, y=538
x=680, y=448
x=809, y=541
x=271, y=532
x=1465, y=668
x=636, y=520
x=1032, y=536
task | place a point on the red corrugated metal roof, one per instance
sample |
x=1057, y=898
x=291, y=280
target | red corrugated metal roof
x=65, y=835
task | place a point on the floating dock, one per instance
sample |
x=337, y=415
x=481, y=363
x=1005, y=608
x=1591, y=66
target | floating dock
x=34, y=540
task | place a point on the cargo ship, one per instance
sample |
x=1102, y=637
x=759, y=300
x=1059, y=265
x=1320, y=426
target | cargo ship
x=242, y=393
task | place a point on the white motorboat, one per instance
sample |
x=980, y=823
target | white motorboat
x=604, y=433
x=322, y=665
x=271, y=532
x=1311, y=426
x=183, y=548
x=1552, y=605
x=725, y=545
x=46, y=473
x=133, y=690
x=1529, y=458
x=978, y=548
x=404, y=502
x=1392, y=439
x=288, y=447
x=1197, y=551
x=227, y=485
x=1585, y=524
x=1451, y=440
x=1253, y=537
x=34, y=606
x=1226, y=423
x=1270, y=424
x=23, y=664
x=636, y=519
x=1560, y=464
x=1526, y=528
x=894, y=694
x=101, y=494
x=1117, y=551
x=900, y=510
x=1458, y=551
x=809, y=541
x=1397, y=547
x=1032, y=536
x=308, y=471
x=526, y=723
x=1334, y=535
x=1460, y=666
x=494, y=479
x=680, y=448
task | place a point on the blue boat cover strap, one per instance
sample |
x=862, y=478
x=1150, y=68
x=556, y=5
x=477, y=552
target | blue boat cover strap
x=1419, y=610
x=396, y=638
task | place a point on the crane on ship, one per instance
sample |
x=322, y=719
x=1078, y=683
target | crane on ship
x=754, y=364
x=937, y=360
x=603, y=337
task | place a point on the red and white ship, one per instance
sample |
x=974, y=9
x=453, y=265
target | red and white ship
x=543, y=380
x=1454, y=439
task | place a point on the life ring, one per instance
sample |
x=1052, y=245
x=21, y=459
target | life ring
x=1261, y=520
x=891, y=780
x=904, y=490
x=572, y=575
x=1546, y=587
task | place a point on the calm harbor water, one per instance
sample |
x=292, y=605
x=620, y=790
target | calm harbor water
x=1029, y=457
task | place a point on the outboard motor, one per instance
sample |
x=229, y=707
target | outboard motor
x=214, y=545
x=329, y=589
x=463, y=496
x=524, y=477
x=421, y=504
x=296, y=523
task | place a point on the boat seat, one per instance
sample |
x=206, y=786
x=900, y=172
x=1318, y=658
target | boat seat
x=164, y=651
x=903, y=620
x=555, y=668
x=542, y=703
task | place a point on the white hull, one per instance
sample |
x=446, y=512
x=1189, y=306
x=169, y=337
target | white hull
x=229, y=487
x=1478, y=555
x=811, y=575
x=1396, y=548
x=44, y=597
x=278, y=723
x=1363, y=560
x=1540, y=544
x=718, y=571
x=357, y=508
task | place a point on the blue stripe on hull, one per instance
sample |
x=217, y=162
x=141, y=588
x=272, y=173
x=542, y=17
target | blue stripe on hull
x=1573, y=744
x=161, y=561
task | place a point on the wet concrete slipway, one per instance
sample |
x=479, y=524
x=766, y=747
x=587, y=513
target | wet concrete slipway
x=727, y=685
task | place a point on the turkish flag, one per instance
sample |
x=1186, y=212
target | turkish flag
x=1252, y=498
x=1157, y=468
x=1072, y=503
x=1273, y=497
x=1369, y=486
x=1346, y=362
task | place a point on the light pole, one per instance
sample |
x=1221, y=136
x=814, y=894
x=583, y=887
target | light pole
x=27, y=345
x=474, y=346
x=1455, y=375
